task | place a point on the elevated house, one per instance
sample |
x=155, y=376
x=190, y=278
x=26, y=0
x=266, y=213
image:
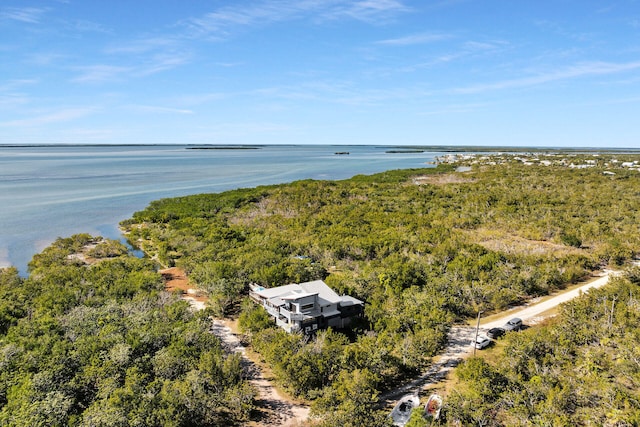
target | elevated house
x=307, y=306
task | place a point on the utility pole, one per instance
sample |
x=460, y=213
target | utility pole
x=477, y=329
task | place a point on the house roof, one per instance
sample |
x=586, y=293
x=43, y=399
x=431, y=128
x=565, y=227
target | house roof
x=349, y=300
x=297, y=294
x=326, y=295
x=324, y=292
x=277, y=292
x=276, y=301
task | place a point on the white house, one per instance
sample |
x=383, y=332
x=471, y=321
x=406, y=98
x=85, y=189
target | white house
x=307, y=306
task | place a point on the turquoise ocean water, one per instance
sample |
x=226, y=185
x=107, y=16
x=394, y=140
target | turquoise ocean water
x=50, y=192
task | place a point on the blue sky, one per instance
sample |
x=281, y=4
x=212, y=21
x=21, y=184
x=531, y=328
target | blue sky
x=445, y=72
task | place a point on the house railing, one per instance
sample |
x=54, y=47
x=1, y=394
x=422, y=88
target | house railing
x=291, y=315
x=254, y=296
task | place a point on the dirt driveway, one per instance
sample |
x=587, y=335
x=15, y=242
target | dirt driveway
x=275, y=409
x=461, y=337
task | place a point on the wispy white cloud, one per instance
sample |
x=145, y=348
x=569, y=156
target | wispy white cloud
x=13, y=100
x=201, y=98
x=161, y=62
x=240, y=129
x=608, y=102
x=54, y=117
x=476, y=46
x=560, y=30
x=219, y=24
x=468, y=49
x=11, y=85
x=29, y=15
x=576, y=71
x=45, y=58
x=454, y=109
x=371, y=10
x=89, y=27
x=222, y=22
x=151, y=55
x=414, y=39
x=316, y=91
x=10, y=95
x=100, y=73
x=229, y=64
x=156, y=63
x=157, y=109
x=344, y=93
x=143, y=45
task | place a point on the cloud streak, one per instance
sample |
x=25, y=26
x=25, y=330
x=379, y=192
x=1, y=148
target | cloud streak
x=415, y=39
x=342, y=93
x=156, y=109
x=55, y=117
x=29, y=15
x=100, y=73
x=220, y=24
x=576, y=71
x=143, y=45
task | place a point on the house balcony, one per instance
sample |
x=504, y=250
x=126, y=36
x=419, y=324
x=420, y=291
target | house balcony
x=255, y=297
x=291, y=316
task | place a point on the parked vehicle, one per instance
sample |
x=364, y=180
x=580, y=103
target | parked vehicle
x=402, y=411
x=482, y=342
x=513, y=325
x=433, y=406
x=495, y=333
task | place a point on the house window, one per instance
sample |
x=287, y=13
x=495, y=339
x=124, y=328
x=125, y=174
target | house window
x=306, y=307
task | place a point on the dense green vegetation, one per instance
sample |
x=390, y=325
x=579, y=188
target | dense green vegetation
x=424, y=248
x=91, y=338
x=582, y=369
x=98, y=343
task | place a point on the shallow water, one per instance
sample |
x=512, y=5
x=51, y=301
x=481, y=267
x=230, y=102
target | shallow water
x=50, y=192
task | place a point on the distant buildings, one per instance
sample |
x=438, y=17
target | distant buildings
x=308, y=306
x=570, y=160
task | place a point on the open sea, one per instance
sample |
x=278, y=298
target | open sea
x=48, y=192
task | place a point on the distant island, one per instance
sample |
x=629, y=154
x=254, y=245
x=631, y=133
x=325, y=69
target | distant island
x=224, y=147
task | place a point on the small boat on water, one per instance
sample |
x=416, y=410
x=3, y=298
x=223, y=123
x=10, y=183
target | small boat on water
x=402, y=411
x=433, y=406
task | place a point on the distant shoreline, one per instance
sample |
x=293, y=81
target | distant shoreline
x=391, y=148
x=231, y=147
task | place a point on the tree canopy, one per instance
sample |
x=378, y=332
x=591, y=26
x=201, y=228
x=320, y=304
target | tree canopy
x=423, y=248
x=101, y=344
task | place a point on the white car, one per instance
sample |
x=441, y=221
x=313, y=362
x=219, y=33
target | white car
x=482, y=342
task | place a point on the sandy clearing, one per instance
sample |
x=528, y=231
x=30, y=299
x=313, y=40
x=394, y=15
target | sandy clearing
x=175, y=280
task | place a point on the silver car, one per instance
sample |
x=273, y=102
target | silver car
x=513, y=325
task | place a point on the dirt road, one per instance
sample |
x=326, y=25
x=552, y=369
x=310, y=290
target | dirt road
x=276, y=410
x=461, y=337
x=532, y=312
